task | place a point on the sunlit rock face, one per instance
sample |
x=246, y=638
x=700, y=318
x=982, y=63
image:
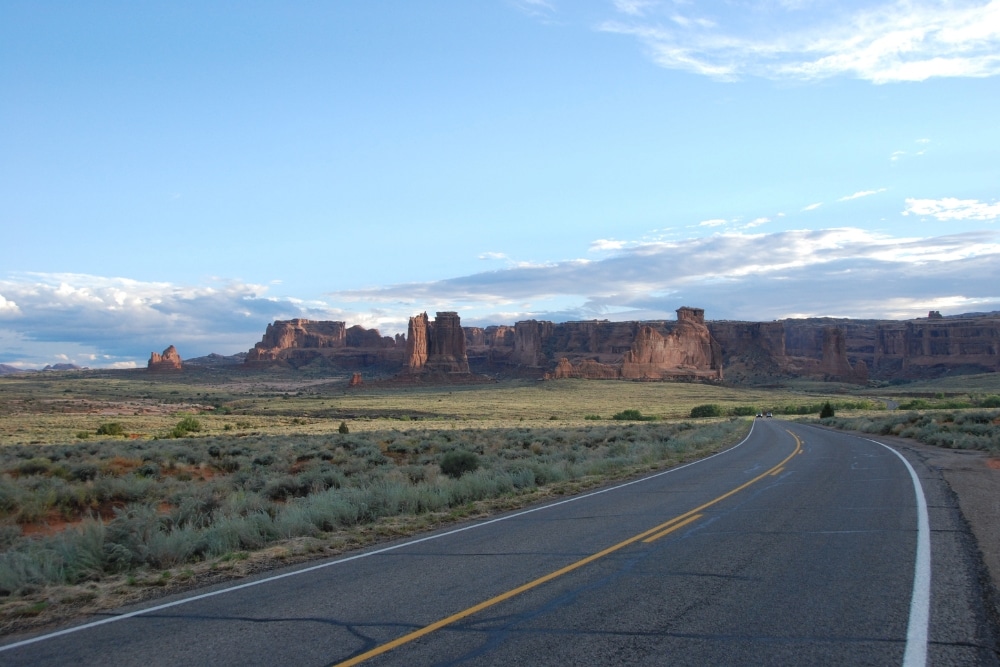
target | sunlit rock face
x=167, y=362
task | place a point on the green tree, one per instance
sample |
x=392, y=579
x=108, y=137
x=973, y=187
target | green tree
x=827, y=411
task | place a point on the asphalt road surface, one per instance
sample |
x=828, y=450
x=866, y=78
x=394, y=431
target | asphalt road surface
x=799, y=546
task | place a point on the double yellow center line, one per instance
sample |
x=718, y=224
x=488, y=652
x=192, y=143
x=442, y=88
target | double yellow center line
x=647, y=536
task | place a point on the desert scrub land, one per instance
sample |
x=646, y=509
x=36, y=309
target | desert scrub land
x=91, y=511
x=949, y=428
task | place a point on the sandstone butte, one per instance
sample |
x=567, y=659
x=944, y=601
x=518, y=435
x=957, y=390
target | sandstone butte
x=167, y=362
x=688, y=348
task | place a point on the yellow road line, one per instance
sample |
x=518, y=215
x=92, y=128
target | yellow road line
x=672, y=528
x=676, y=522
x=778, y=471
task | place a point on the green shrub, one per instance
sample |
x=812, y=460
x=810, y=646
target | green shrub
x=990, y=402
x=632, y=415
x=827, y=411
x=457, y=463
x=592, y=417
x=710, y=410
x=743, y=411
x=111, y=428
x=343, y=428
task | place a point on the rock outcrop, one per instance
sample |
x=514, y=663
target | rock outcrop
x=167, y=362
x=437, y=347
x=834, y=349
x=355, y=381
x=854, y=350
x=300, y=342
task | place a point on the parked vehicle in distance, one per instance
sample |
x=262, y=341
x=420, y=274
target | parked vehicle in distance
x=769, y=415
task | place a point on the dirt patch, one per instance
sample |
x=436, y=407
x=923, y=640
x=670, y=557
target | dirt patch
x=993, y=463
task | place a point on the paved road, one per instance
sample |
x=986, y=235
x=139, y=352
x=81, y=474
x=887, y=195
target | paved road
x=800, y=546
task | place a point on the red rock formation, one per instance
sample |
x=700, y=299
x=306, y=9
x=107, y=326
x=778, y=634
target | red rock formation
x=355, y=381
x=588, y=369
x=436, y=347
x=446, y=345
x=298, y=333
x=300, y=342
x=416, y=343
x=167, y=362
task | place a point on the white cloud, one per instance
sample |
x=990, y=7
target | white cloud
x=812, y=207
x=715, y=222
x=738, y=276
x=606, y=244
x=492, y=255
x=951, y=208
x=8, y=307
x=904, y=40
x=862, y=193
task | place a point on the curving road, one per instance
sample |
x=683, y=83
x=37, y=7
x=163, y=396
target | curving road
x=798, y=546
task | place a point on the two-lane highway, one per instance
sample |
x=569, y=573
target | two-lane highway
x=799, y=546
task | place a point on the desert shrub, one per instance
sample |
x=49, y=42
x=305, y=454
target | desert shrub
x=35, y=466
x=185, y=427
x=631, y=415
x=743, y=411
x=990, y=402
x=592, y=417
x=709, y=410
x=827, y=411
x=457, y=463
x=343, y=428
x=111, y=428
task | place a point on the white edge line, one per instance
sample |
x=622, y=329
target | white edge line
x=920, y=601
x=320, y=566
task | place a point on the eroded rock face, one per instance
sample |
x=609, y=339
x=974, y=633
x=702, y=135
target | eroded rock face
x=355, y=381
x=167, y=362
x=600, y=349
x=302, y=342
x=416, y=343
x=687, y=350
x=446, y=345
x=438, y=346
x=852, y=350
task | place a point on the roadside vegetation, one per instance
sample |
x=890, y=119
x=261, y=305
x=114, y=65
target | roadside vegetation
x=952, y=429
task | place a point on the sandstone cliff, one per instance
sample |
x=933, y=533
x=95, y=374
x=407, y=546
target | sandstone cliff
x=300, y=342
x=166, y=362
x=688, y=348
x=437, y=347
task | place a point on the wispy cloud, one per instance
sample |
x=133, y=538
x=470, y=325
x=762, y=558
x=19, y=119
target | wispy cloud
x=728, y=273
x=812, y=207
x=492, y=255
x=951, y=208
x=604, y=245
x=862, y=193
x=715, y=222
x=904, y=40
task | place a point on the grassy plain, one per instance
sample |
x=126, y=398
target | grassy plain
x=268, y=475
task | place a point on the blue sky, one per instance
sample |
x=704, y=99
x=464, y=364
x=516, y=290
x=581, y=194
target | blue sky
x=186, y=172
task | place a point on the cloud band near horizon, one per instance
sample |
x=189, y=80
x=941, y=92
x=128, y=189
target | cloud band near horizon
x=846, y=272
